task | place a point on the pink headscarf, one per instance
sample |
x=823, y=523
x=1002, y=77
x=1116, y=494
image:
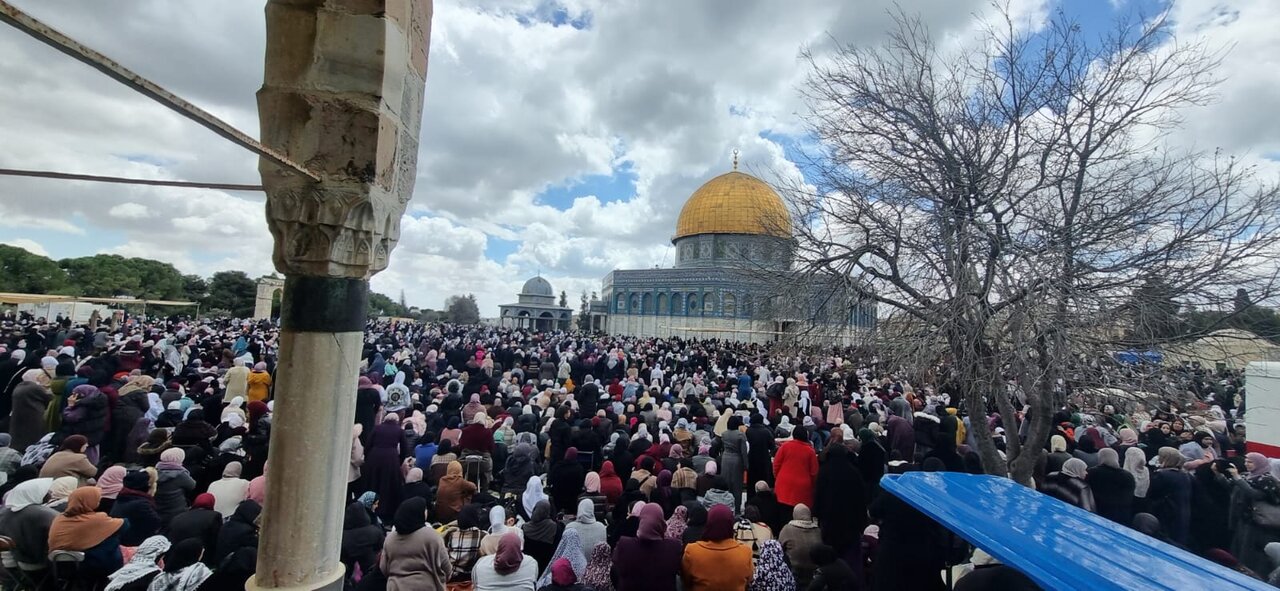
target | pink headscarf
x=592, y=483
x=112, y=481
x=508, y=558
x=258, y=487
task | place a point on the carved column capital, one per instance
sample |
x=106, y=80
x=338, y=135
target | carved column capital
x=342, y=95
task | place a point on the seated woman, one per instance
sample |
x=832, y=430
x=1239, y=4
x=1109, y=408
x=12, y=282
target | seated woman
x=82, y=529
x=182, y=567
x=137, y=574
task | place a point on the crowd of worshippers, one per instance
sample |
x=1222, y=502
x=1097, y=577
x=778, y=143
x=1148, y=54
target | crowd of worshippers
x=489, y=458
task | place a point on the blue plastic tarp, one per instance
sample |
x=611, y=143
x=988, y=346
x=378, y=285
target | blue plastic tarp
x=1057, y=545
x=1153, y=357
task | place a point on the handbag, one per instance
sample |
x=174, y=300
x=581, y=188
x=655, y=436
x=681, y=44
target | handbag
x=1266, y=514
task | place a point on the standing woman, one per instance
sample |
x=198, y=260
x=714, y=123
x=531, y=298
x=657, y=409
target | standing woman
x=1135, y=463
x=1255, y=488
x=733, y=457
x=796, y=468
x=566, y=480
x=382, y=465
x=840, y=505
x=1169, y=497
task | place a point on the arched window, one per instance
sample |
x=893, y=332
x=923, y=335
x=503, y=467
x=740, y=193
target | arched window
x=622, y=302
x=746, y=305
x=692, y=308
x=647, y=306
x=677, y=303
x=710, y=303
x=730, y=305
x=635, y=304
x=662, y=308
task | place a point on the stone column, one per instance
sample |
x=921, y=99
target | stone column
x=342, y=94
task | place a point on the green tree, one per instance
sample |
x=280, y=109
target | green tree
x=382, y=305
x=156, y=280
x=564, y=299
x=1241, y=301
x=584, y=306
x=194, y=288
x=233, y=291
x=25, y=272
x=462, y=309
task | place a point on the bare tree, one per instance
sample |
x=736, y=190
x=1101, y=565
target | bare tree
x=1006, y=200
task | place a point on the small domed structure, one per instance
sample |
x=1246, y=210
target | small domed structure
x=536, y=308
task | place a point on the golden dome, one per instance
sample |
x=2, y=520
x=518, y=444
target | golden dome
x=734, y=203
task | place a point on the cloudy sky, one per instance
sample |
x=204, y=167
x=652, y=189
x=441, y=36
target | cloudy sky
x=559, y=137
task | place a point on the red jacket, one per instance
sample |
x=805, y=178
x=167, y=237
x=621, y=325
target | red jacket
x=795, y=467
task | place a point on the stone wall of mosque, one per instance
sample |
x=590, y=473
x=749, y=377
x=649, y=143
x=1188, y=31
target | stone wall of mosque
x=734, y=329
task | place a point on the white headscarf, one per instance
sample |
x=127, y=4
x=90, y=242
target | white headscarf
x=31, y=492
x=532, y=494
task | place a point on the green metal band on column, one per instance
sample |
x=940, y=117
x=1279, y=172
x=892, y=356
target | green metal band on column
x=324, y=304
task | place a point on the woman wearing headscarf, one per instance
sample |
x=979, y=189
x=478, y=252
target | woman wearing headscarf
x=772, y=572
x=506, y=569
x=361, y=540
x=31, y=399
x=796, y=468
x=531, y=496
x=541, y=534
x=240, y=532
x=565, y=480
x=86, y=414
x=591, y=492
x=1252, y=489
x=259, y=383
x=368, y=402
x=60, y=491
x=381, y=469
x=519, y=467
x=771, y=512
x=610, y=483
x=82, y=528
x=833, y=573
x=230, y=490
x=70, y=460
x=570, y=549
x=1135, y=463
x=733, y=456
x=840, y=504
x=135, y=504
x=26, y=520
x=1069, y=485
x=599, y=568
x=1112, y=487
x=453, y=493
x=1057, y=454
x=1169, y=495
x=590, y=532
x=498, y=527
x=563, y=577
x=173, y=484
x=200, y=522
x=717, y=561
x=707, y=478
x=798, y=538
x=136, y=575
x=909, y=556
x=414, y=557
x=183, y=570
x=695, y=524
x=110, y=483
x=1211, y=488
x=871, y=461
x=677, y=523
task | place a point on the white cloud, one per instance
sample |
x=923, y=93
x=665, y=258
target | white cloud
x=30, y=246
x=129, y=211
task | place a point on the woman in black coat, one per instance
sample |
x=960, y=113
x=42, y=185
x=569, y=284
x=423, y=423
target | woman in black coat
x=1210, y=506
x=840, y=504
x=134, y=503
x=240, y=531
x=910, y=554
x=361, y=539
x=566, y=479
x=200, y=522
x=1112, y=487
x=1169, y=496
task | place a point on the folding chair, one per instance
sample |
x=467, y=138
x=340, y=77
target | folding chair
x=65, y=570
x=473, y=470
x=588, y=460
x=12, y=570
